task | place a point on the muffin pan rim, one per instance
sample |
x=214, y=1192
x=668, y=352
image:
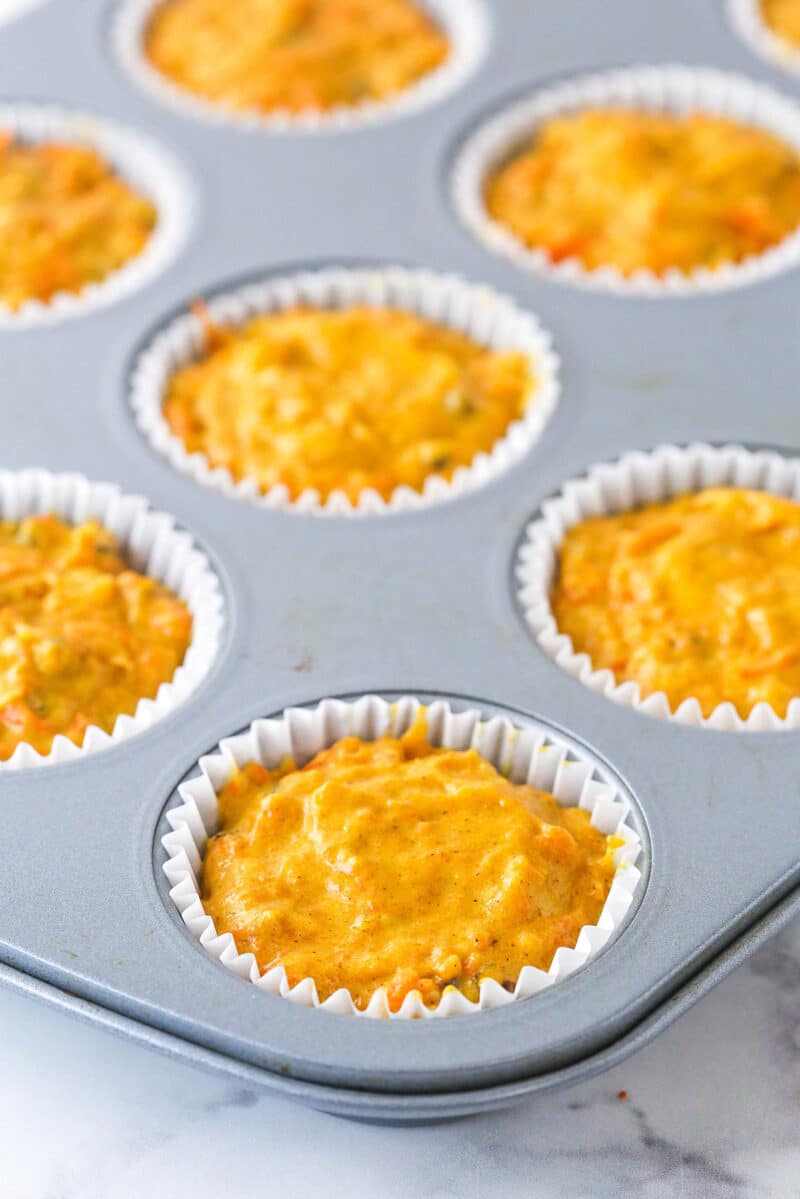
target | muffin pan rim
x=407, y=1108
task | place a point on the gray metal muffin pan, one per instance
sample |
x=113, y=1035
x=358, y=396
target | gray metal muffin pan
x=417, y=602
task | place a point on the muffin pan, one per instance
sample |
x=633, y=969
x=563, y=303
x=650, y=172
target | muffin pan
x=419, y=602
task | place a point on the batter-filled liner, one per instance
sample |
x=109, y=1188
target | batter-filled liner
x=634, y=480
x=153, y=545
x=145, y=167
x=671, y=89
x=525, y=754
x=490, y=319
x=465, y=23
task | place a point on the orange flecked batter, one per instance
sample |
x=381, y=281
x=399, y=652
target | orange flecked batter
x=699, y=596
x=783, y=18
x=293, y=55
x=82, y=637
x=648, y=191
x=66, y=220
x=394, y=864
x=345, y=400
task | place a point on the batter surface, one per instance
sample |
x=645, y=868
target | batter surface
x=295, y=55
x=648, y=191
x=345, y=400
x=66, y=220
x=82, y=637
x=699, y=596
x=783, y=18
x=391, y=863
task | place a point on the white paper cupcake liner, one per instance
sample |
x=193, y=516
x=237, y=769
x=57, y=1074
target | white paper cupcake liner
x=145, y=166
x=465, y=23
x=746, y=18
x=674, y=89
x=634, y=480
x=526, y=755
x=11, y=9
x=154, y=546
x=490, y=319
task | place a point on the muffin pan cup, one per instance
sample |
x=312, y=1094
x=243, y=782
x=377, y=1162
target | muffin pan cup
x=528, y=756
x=636, y=480
x=423, y=603
x=671, y=88
x=465, y=22
x=142, y=163
x=150, y=544
x=490, y=319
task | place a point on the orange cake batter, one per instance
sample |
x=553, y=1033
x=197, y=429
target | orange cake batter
x=345, y=400
x=394, y=864
x=66, y=220
x=699, y=596
x=648, y=191
x=783, y=18
x=295, y=55
x=82, y=637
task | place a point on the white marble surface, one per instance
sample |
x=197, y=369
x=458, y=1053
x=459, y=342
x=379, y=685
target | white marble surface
x=713, y=1111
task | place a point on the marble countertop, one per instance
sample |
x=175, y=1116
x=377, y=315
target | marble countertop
x=712, y=1111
